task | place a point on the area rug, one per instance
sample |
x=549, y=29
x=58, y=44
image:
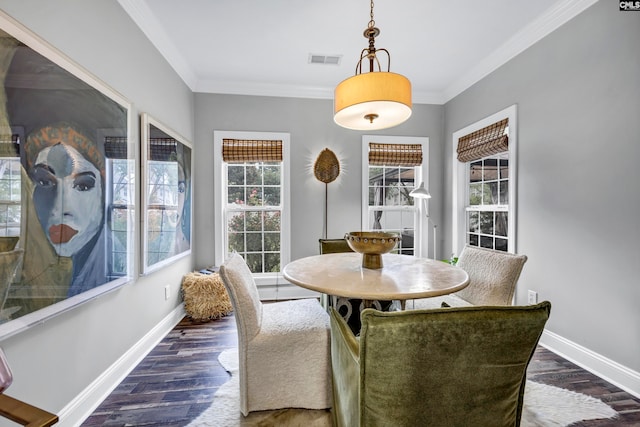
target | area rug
x=544, y=406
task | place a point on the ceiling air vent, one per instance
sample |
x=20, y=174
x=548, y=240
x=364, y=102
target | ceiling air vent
x=324, y=59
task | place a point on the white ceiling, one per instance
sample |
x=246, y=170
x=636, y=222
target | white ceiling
x=262, y=47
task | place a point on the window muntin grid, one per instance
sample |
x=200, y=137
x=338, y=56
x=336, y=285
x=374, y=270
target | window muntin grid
x=163, y=193
x=390, y=208
x=253, y=213
x=122, y=213
x=487, y=209
x=10, y=196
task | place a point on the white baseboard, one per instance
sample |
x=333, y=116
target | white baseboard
x=613, y=372
x=80, y=408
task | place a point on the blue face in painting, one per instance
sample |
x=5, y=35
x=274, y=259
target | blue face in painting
x=67, y=198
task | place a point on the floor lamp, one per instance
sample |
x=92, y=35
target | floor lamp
x=421, y=193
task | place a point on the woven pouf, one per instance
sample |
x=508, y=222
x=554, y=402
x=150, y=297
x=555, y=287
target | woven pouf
x=205, y=296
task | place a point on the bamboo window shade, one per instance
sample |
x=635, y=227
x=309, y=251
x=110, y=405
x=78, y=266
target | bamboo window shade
x=406, y=155
x=246, y=150
x=163, y=149
x=484, y=142
x=10, y=146
x=115, y=147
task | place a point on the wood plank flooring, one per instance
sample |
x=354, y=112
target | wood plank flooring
x=178, y=379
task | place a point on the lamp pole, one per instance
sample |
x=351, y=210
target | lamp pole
x=421, y=193
x=434, y=235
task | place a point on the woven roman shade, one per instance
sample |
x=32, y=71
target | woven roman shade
x=115, y=147
x=246, y=150
x=407, y=155
x=9, y=146
x=163, y=149
x=485, y=142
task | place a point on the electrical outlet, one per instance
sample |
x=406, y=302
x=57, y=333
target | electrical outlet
x=167, y=292
x=532, y=297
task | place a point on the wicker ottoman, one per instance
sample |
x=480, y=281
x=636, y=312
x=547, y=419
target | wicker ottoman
x=205, y=296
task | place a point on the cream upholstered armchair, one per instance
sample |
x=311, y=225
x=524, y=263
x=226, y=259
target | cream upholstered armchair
x=458, y=366
x=283, y=347
x=493, y=276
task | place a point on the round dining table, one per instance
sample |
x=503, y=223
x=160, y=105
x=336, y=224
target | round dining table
x=402, y=277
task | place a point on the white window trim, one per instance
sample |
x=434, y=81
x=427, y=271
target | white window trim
x=220, y=244
x=421, y=244
x=460, y=179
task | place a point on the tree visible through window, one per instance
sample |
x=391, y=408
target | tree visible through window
x=121, y=214
x=10, y=185
x=162, y=209
x=253, y=214
x=252, y=202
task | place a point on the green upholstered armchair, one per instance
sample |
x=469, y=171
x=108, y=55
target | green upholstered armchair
x=334, y=246
x=458, y=366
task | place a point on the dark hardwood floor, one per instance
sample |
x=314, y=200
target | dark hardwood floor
x=178, y=378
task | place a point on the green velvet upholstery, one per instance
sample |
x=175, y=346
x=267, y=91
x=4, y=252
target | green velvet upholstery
x=456, y=366
x=332, y=246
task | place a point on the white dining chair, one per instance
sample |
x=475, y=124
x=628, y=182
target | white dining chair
x=283, y=347
x=493, y=276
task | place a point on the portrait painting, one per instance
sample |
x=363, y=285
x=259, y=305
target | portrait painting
x=66, y=181
x=166, y=187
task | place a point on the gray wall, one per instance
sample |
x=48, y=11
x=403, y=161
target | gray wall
x=578, y=97
x=577, y=92
x=53, y=362
x=310, y=123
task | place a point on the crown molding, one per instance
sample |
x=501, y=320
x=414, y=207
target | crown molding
x=549, y=21
x=556, y=16
x=263, y=89
x=291, y=91
x=146, y=20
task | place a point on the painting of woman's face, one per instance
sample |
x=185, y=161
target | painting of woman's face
x=67, y=197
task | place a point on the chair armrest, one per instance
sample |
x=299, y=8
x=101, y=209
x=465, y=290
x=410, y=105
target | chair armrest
x=345, y=368
x=345, y=334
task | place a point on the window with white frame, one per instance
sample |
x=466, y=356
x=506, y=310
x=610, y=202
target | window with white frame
x=10, y=182
x=120, y=200
x=10, y=185
x=392, y=167
x=484, y=183
x=488, y=203
x=121, y=210
x=252, y=195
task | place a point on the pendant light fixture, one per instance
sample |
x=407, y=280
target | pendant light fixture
x=374, y=100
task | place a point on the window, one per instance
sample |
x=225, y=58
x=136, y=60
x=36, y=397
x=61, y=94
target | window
x=10, y=186
x=488, y=205
x=252, y=200
x=10, y=182
x=392, y=167
x=121, y=212
x=484, y=183
x=120, y=199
